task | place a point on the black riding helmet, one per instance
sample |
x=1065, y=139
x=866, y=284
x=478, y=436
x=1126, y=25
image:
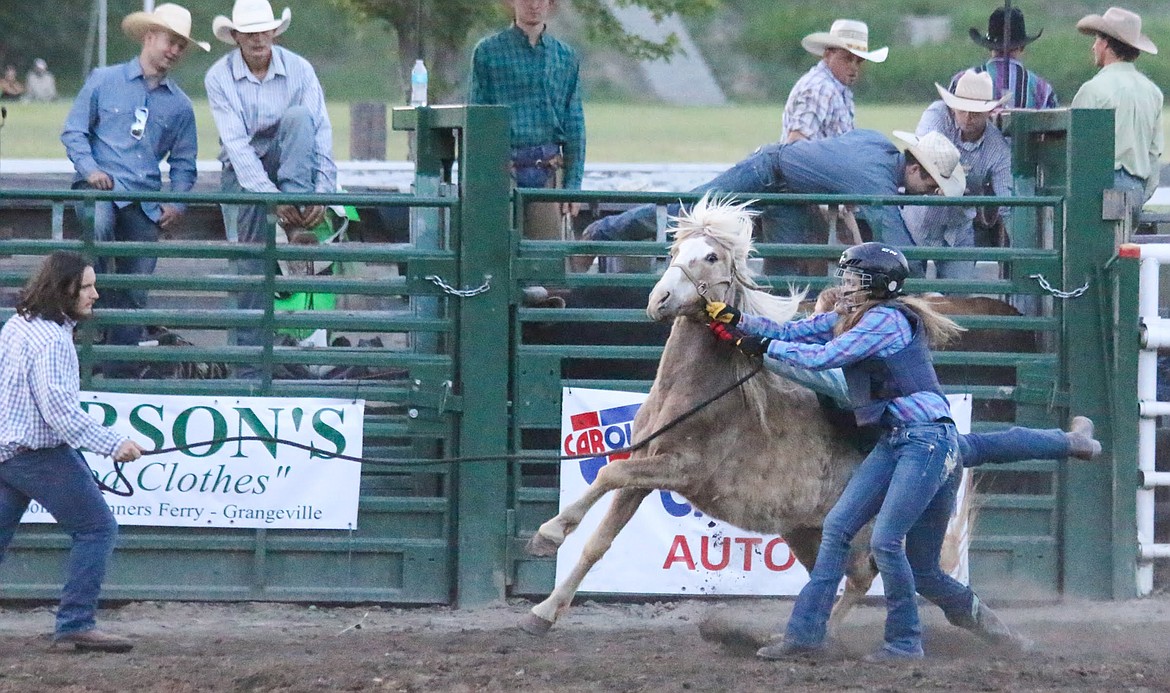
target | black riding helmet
x=882, y=269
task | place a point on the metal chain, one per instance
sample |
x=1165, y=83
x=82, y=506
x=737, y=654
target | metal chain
x=1075, y=293
x=463, y=293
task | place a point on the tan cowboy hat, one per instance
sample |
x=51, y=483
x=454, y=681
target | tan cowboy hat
x=167, y=16
x=974, y=93
x=1123, y=25
x=940, y=158
x=250, y=17
x=848, y=34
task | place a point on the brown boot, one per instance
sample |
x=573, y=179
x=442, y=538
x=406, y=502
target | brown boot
x=1081, y=443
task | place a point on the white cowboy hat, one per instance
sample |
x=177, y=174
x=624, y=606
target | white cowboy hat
x=250, y=17
x=1123, y=25
x=940, y=158
x=848, y=34
x=168, y=16
x=974, y=93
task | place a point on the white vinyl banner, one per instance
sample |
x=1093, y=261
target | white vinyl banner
x=668, y=547
x=231, y=484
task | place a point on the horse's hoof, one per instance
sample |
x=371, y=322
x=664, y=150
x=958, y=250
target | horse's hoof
x=535, y=625
x=540, y=545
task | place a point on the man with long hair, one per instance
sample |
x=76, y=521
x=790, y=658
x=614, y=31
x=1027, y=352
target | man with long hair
x=41, y=429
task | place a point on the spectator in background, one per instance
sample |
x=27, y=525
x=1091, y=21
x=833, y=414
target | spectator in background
x=40, y=433
x=10, y=87
x=538, y=76
x=820, y=104
x=274, y=133
x=1008, y=74
x=124, y=122
x=964, y=117
x=39, y=83
x=1135, y=100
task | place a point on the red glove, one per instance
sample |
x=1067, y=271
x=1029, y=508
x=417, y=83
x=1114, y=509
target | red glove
x=723, y=333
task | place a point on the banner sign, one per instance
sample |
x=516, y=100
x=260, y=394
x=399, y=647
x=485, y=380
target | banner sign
x=250, y=484
x=668, y=547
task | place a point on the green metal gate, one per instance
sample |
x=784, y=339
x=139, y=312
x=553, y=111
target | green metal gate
x=425, y=534
x=1036, y=521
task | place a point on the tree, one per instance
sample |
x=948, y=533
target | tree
x=451, y=24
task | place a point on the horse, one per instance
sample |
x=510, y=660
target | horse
x=763, y=457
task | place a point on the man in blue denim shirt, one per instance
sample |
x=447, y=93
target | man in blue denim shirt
x=861, y=162
x=125, y=121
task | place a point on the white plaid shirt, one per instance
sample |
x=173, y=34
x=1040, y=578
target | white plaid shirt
x=39, y=405
x=818, y=106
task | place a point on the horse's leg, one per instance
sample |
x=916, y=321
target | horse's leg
x=643, y=472
x=551, y=534
x=859, y=575
x=625, y=504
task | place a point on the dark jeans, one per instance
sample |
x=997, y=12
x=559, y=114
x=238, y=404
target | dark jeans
x=128, y=224
x=60, y=480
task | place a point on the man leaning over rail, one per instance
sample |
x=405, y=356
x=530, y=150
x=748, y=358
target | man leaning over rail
x=40, y=431
x=125, y=121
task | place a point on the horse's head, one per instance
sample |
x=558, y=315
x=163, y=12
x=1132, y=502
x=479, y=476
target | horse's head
x=708, y=261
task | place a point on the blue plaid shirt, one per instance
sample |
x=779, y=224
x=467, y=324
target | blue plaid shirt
x=811, y=344
x=39, y=391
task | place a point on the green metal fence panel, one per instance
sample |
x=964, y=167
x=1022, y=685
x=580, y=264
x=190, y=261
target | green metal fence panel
x=402, y=549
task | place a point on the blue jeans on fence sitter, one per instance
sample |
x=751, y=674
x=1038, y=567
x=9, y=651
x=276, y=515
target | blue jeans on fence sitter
x=896, y=483
x=130, y=224
x=290, y=163
x=60, y=480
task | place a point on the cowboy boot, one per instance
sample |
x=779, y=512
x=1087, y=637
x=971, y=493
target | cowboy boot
x=987, y=624
x=1081, y=443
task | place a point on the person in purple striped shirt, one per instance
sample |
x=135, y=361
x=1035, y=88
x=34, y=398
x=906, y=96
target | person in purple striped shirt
x=1024, y=88
x=43, y=426
x=881, y=340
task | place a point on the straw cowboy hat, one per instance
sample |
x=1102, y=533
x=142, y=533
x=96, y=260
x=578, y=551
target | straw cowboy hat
x=167, y=16
x=848, y=34
x=1123, y=25
x=974, y=93
x=940, y=158
x=1017, y=36
x=250, y=17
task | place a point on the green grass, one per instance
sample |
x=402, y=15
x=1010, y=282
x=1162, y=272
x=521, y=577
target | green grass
x=617, y=132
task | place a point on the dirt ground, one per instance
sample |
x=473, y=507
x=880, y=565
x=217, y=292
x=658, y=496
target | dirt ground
x=653, y=646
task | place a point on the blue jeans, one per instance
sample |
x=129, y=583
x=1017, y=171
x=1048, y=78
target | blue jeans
x=60, y=480
x=290, y=164
x=129, y=223
x=896, y=483
x=1016, y=444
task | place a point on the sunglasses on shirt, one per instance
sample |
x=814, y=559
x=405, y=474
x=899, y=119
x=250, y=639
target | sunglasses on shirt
x=138, y=128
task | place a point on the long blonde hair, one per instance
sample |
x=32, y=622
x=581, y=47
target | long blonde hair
x=940, y=330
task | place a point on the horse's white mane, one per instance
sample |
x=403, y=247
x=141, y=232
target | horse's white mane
x=728, y=224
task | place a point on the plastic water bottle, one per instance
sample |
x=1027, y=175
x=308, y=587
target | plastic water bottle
x=418, y=84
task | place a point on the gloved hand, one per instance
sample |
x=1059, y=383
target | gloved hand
x=723, y=313
x=753, y=345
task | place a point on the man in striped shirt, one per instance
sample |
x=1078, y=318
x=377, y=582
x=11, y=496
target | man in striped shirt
x=1026, y=88
x=538, y=77
x=963, y=117
x=274, y=131
x=43, y=426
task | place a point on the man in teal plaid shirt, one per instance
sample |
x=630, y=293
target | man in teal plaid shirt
x=537, y=75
